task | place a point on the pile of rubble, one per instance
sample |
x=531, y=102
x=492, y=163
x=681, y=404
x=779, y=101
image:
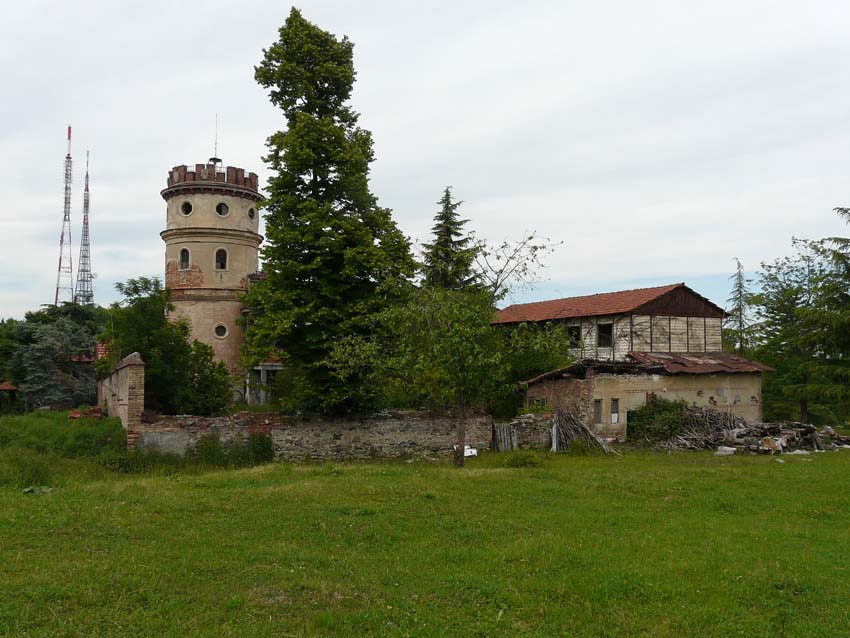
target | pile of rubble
x=727, y=434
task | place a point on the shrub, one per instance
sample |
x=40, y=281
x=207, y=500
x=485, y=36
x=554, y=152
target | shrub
x=261, y=448
x=238, y=453
x=522, y=458
x=658, y=420
x=209, y=451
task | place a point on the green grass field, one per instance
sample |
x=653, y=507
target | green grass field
x=644, y=544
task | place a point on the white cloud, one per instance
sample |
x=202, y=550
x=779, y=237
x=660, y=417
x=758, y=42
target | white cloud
x=658, y=140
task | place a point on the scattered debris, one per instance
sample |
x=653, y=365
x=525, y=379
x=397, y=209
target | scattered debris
x=705, y=429
x=567, y=427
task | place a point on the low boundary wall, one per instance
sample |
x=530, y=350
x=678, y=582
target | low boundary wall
x=384, y=435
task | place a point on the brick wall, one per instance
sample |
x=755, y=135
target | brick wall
x=384, y=435
x=122, y=394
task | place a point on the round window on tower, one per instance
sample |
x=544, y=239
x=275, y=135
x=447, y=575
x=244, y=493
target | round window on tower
x=220, y=331
x=222, y=209
x=251, y=213
x=186, y=208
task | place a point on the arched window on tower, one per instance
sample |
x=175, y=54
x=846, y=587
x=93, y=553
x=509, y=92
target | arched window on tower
x=221, y=259
x=184, y=259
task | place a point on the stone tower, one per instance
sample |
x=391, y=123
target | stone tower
x=211, y=248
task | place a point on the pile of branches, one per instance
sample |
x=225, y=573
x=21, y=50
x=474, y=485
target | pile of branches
x=704, y=429
x=567, y=428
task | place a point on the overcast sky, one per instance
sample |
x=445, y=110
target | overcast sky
x=657, y=140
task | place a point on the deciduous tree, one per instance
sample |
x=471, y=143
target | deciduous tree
x=333, y=257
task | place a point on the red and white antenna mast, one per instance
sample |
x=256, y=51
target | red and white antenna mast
x=65, y=273
x=84, y=294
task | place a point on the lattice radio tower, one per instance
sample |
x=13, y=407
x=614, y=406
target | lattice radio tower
x=85, y=293
x=65, y=274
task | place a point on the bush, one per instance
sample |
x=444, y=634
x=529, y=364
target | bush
x=658, y=420
x=209, y=451
x=260, y=447
x=522, y=458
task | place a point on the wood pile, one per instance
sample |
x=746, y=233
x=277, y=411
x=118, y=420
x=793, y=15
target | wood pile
x=567, y=427
x=705, y=429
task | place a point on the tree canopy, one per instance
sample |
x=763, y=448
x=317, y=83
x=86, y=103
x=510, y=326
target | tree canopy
x=333, y=257
x=449, y=256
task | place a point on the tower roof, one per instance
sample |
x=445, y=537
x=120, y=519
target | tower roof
x=212, y=177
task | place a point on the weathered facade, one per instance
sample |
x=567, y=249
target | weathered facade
x=602, y=393
x=608, y=326
x=211, y=250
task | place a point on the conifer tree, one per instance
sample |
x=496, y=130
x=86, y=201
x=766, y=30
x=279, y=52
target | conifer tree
x=333, y=257
x=736, y=327
x=449, y=257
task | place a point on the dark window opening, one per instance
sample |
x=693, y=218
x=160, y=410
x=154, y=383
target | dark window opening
x=221, y=259
x=251, y=213
x=184, y=259
x=605, y=335
x=222, y=209
x=615, y=411
x=597, y=411
x=220, y=330
x=186, y=208
x=574, y=336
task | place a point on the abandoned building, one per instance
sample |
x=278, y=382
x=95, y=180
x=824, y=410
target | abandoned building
x=664, y=341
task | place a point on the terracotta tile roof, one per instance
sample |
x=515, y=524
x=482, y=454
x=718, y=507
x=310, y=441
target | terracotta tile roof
x=605, y=303
x=8, y=386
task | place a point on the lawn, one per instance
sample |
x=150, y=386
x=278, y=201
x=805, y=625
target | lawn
x=644, y=544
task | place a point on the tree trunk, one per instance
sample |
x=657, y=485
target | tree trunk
x=804, y=410
x=461, y=436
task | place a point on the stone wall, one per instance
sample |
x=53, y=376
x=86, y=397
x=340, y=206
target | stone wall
x=122, y=394
x=385, y=435
x=533, y=431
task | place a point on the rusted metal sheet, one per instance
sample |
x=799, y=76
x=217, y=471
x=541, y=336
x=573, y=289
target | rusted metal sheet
x=699, y=363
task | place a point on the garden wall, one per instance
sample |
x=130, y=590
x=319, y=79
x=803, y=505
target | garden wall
x=122, y=393
x=384, y=435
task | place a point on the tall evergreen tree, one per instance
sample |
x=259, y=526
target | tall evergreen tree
x=736, y=328
x=333, y=257
x=449, y=257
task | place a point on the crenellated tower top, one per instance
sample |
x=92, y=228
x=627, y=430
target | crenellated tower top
x=212, y=177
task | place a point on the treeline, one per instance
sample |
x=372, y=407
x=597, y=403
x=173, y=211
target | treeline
x=52, y=355
x=795, y=317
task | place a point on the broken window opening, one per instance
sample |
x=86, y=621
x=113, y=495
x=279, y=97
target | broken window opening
x=605, y=335
x=574, y=336
x=597, y=411
x=615, y=411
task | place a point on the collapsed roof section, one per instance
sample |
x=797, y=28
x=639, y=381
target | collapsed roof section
x=666, y=363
